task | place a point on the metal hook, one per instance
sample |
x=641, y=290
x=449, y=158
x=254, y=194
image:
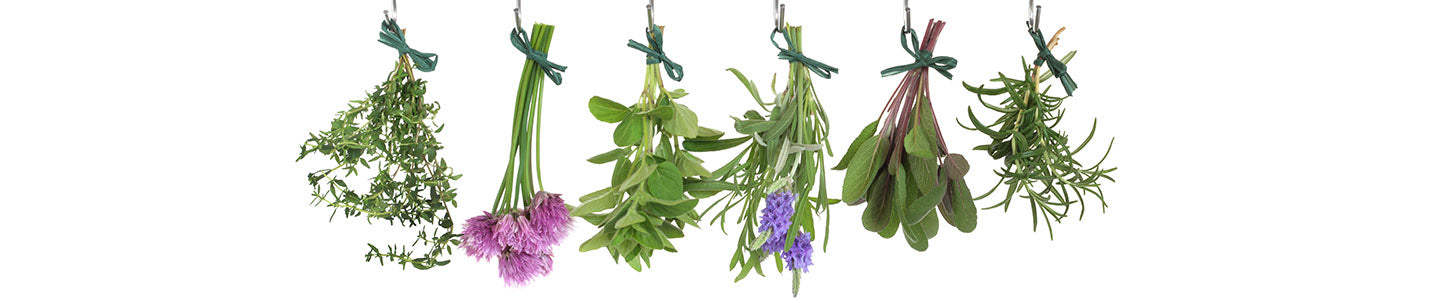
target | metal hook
x=908, y=14
x=517, y=12
x=779, y=16
x=650, y=16
x=394, y=11
x=1035, y=14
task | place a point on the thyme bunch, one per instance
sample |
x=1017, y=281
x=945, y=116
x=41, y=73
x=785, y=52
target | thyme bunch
x=786, y=142
x=655, y=183
x=906, y=170
x=390, y=133
x=1038, y=162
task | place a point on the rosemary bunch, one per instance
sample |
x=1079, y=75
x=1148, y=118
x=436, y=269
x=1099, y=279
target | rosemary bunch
x=392, y=133
x=906, y=170
x=1037, y=158
x=647, y=203
x=779, y=167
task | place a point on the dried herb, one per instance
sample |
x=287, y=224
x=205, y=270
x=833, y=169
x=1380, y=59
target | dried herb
x=781, y=164
x=906, y=170
x=1037, y=159
x=526, y=221
x=392, y=133
x=647, y=203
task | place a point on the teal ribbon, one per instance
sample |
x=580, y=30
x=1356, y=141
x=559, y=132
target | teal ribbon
x=392, y=36
x=523, y=44
x=655, y=54
x=1044, y=54
x=819, y=68
x=922, y=58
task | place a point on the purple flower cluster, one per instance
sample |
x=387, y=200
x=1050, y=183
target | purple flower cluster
x=521, y=241
x=775, y=219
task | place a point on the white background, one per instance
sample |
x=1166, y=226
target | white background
x=1267, y=148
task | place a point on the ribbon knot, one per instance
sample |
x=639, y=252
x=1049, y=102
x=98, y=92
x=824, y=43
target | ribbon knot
x=819, y=68
x=523, y=44
x=392, y=36
x=655, y=54
x=1059, y=69
x=922, y=59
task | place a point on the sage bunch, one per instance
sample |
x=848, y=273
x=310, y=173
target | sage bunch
x=655, y=183
x=1038, y=162
x=526, y=222
x=779, y=167
x=391, y=136
x=906, y=170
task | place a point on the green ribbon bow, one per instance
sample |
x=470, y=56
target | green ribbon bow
x=1044, y=54
x=922, y=58
x=815, y=66
x=523, y=44
x=392, y=36
x=655, y=54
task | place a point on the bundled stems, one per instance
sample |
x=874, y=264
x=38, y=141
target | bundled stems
x=523, y=172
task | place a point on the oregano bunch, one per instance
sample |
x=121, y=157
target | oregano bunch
x=655, y=183
x=905, y=171
x=390, y=136
x=1038, y=162
x=787, y=141
x=526, y=222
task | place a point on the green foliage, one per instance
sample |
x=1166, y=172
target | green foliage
x=390, y=136
x=1037, y=159
x=789, y=139
x=655, y=184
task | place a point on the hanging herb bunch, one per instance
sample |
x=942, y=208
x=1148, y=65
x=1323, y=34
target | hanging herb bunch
x=1038, y=163
x=655, y=184
x=905, y=170
x=779, y=169
x=525, y=221
x=390, y=135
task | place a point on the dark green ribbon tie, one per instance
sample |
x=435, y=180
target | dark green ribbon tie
x=655, y=54
x=910, y=40
x=392, y=36
x=819, y=68
x=1059, y=69
x=523, y=44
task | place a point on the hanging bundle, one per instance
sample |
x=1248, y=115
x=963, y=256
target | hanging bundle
x=525, y=221
x=779, y=168
x=905, y=170
x=1037, y=158
x=390, y=136
x=647, y=203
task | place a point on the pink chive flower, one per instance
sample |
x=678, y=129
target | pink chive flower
x=478, y=238
x=550, y=218
x=519, y=268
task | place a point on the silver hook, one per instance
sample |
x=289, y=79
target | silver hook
x=650, y=16
x=517, y=12
x=908, y=14
x=394, y=11
x=1035, y=14
x=779, y=16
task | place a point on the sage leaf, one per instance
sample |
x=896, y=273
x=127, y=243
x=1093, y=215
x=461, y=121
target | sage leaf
x=607, y=111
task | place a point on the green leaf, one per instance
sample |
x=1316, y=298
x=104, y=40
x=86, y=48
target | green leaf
x=753, y=126
x=629, y=132
x=601, y=239
x=609, y=156
x=690, y=165
x=749, y=85
x=608, y=111
x=921, y=207
x=637, y=177
x=666, y=183
x=664, y=113
x=670, y=209
x=684, y=123
x=676, y=94
x=707, y=133
x=710, y=185
x=631, y=218
x=924, y=172
x=955, y=166
x=862, y=169
x=670, y=231
x=965, y=215
x=715, y=145
x=876, y=212
x=864, y=136
x=597, y=201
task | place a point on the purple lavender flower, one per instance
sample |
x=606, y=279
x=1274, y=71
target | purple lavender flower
x=479, y=239
x=519, y=268
x=799, y=255
x=775, y=218
x=549, y=218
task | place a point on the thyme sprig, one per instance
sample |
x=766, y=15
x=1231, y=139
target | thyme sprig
x=647, y=203
x=1037, y=159
x=391, y=132
x=786, y=146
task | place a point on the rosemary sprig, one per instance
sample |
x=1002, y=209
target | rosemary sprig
x=391, y=132
x=1037, y=159
x=647, y=203
x=906, y=170
x=787, y=143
